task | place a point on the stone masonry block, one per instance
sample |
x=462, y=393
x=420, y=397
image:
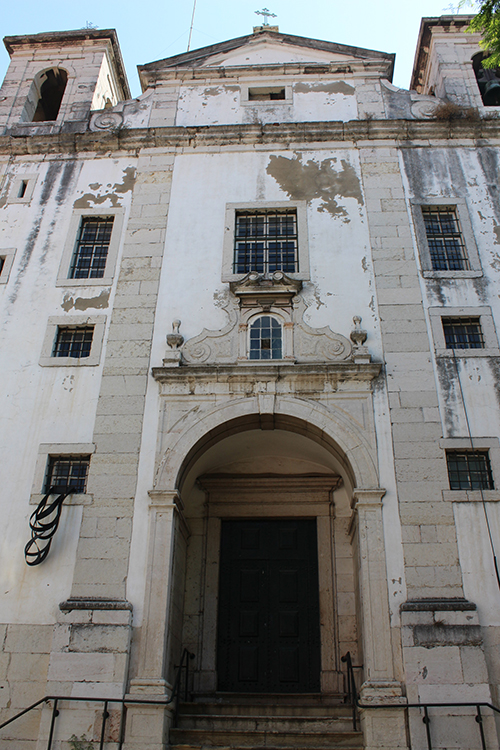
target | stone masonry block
x=109, y=443
x=419, y=469
x=419, y=398
x=473, y=665
x=402, y=342
x=28, y=639
x=99, y=639
x=95, y=572
x=420, y=491
x=102, y=548
x=436, y=666
x=123, y=385
x=118, y=424
x=430, y=554
x=26, y=667
x=77, y=667
x=114, y=463
x=406, y=449
x=129, y=331
x=406, y=416
x=118, y=405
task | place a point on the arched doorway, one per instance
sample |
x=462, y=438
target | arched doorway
x=269, y=601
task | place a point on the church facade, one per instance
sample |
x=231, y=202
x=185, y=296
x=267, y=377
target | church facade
x=250, y=417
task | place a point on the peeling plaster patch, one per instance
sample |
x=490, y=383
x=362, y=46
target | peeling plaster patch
x=86, y=303
x=88, y=200
x=496, y=231
x=364, y=264
x=336, y=87
x=495, y=263
x=317, y=180
x=95, y=185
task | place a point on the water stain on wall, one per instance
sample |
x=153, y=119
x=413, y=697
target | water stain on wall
x=312, y=179
x=86, y=303
x=89, y=200
x=336, y=87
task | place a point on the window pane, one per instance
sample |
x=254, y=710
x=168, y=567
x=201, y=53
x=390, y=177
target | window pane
x=277, y=247
x=444, y=237
x=265, y=338
x=73, y=341
x=91, y=251
x=463, y=333
x=469, y=470
x=64, y=472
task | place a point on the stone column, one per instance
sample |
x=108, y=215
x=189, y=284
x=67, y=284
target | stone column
x=382, y=728
x=147, y=726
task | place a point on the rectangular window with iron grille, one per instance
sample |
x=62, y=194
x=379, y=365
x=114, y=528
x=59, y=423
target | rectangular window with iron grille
x=266, y=241
x=469, y=470
x=67, y=472
x=73, y=341
x=445, y=239
x=463, y=333
x=92, y=246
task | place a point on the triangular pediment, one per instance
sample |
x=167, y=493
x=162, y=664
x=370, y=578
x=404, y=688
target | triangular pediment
x=268, y=48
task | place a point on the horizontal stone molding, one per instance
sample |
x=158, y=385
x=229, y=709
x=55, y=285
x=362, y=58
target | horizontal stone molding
x=94, y=602
x=438, y=605
x=129, y=140
x=268, y=372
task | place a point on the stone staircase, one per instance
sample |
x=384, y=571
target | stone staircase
x=251, y=722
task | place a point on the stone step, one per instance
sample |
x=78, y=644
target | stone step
x=265, y=723
x=291, y=710
x=187, y=739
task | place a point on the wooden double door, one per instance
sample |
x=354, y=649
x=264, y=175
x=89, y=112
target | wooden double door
x=268, y=618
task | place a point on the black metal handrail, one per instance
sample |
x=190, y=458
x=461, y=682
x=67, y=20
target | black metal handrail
x=124, y=702
x=355, y=702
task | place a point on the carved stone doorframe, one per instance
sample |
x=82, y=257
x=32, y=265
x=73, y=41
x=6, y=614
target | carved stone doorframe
x=272, y=497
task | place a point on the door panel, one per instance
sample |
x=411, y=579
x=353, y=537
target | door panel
x=268, y=625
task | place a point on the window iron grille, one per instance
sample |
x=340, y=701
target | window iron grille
x=445, y=239
x=91, y=250
x=266, y=241
x=463, y=333
x=67, y=474
x=73, y=341
x=265, y=339
x=469, y=470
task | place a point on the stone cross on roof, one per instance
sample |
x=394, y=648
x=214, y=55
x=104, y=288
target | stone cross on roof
x=267, y=14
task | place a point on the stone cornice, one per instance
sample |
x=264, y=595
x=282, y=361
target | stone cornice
x=347, y=67
x=271, y=373
x=405, y=133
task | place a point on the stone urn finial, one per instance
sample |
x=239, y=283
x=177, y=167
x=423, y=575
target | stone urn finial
x=175, y=339
x=358, y=335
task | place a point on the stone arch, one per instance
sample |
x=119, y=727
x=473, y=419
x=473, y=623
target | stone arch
x=333, y=428
x=45, y=96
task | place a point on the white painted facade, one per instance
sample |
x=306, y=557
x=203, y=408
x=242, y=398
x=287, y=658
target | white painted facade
x=183, y=437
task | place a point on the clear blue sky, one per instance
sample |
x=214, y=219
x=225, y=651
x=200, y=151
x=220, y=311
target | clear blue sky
x=151, y=30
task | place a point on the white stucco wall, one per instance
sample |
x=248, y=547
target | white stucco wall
x=44, y=404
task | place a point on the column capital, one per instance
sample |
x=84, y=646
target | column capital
x=367, y=496
x=165, y=498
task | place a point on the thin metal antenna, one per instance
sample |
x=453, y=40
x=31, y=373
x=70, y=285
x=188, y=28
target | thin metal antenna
x=191, y=29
